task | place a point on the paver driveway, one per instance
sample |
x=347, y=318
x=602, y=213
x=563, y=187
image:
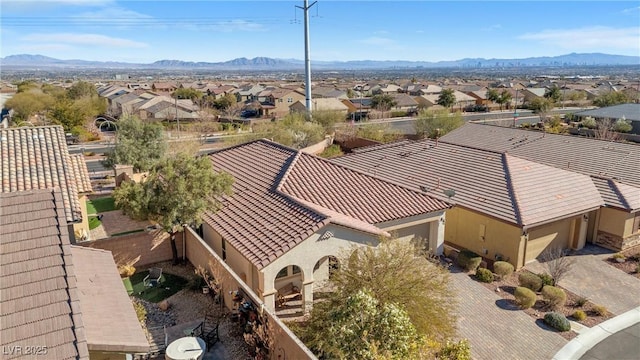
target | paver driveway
x=496, y=333
x=593, y=278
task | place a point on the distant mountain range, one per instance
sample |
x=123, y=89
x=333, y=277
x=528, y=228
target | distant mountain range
x=25, y=61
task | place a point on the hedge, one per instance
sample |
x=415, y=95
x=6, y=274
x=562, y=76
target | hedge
x=484, y=275
x=524, y=297
x=530, y=281
x=503, y=268
x=469, y=260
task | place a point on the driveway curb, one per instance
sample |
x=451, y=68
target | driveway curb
x=577, y=347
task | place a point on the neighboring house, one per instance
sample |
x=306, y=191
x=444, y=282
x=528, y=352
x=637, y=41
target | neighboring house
x=387, y=89
x=165, y=87
x=358, y=108
x=123, y=105
x=289, y=218
x=405, y=102
x=248, y=93
x=463, y=100
x=529, y=94
x=506, y=207
x=277, y=101
x=57, y=300
x=427, y=101
x=428, y=89
x=630, y=112
x=321, y=104
x=614, y=168
x=38, y=158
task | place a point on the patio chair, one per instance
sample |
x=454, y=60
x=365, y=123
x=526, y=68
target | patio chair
x=153, y=279
x=158, y=340
x=210, y=330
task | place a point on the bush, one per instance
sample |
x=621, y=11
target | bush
x=555, y=297
x=530, y=281
x=455, y=350
x=581, y=301
x=579, y=315
x=484, y=275
x=126, y=270
x=546, y=279
x=600, y=310
x=557, y=321
x=618, y=256
x=524, y=297
x=502, y=268
x=469, y=260
x=141, y=312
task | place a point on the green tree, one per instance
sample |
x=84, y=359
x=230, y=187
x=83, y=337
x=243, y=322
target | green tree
x=82, y=89
x=331, y=152
x=28, y=103
x=447, y=98
x=225, y=102
x=541, y=106
x=493, y=95
x=553, y=93
x=138, y=143
x=504, y=98
x=435, y=123
x=610, y=98
x=177, y=193
x=187, y=93
x=359, y=327
x=293, y=130
x=383, y=102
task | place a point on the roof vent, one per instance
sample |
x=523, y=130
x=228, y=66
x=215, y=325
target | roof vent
x=449, y=192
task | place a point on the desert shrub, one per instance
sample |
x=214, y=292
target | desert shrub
x=581, y=301
x=546, y=279
x=484, y=275
x=455, y=350
x=469, y=260
x=635, y=257
x=141, y=312
x=126, y=270
x=579, y=315
x=524, y=297
x=530, y=281
x=555, y=297
x=502, y=268
x=600, y=310
x=557, y=321
x=618, y=256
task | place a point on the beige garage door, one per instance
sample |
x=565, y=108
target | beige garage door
x=548, y=236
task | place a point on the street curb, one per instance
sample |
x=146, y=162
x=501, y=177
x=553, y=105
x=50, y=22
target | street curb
x=577, y=347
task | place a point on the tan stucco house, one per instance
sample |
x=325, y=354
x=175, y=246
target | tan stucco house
x=291, y=214
x=505, y=206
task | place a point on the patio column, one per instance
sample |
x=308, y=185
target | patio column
x=436, y=235
x=269, y=299
x=307, y=295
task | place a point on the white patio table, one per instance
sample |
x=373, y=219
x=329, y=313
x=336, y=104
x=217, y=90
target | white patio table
x=186, y=348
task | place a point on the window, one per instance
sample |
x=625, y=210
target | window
x=289, y=100
x=279, y=100
x=295, y=270
x=283, y=273
x=224, y=249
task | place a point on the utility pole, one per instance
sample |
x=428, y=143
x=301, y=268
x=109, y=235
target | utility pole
x=307, y=60
x=515, y=109
x=177, y=118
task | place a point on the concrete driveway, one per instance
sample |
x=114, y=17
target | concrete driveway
x=601, y=283
x=498, y=333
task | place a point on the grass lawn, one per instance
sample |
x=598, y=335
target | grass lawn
x=169, y=285
x=100, y=205
x=94, y=222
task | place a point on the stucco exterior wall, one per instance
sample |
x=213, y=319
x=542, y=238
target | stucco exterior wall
x=233, y=258
x=98, y=355
x=484, y=235
x=553, y=235
x=613, y=221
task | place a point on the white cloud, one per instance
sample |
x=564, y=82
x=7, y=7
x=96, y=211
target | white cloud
x=83, y=39
x=376, y=40
x=589, y=38
x=44, y=48
x=631, y=11
x=235, y=25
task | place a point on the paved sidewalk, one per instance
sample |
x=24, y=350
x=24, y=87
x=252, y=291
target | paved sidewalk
x=601, y=283
x=497, y=333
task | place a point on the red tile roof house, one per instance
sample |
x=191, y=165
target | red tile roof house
x=57, y=300
x=38, y=158
x=506, y=207
x=292, y=213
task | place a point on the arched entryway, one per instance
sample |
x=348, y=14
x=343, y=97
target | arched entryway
x=322, y=272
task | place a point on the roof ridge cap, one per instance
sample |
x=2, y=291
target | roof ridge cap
x=286, y=173
x=511, y=187
x=618, y=192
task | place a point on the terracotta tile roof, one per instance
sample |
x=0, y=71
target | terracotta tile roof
x=600, y=158
x=39, y=302
x=83, y=181
x=102, y=294
x=37, y=158
x=492, y=183
x=281, y=197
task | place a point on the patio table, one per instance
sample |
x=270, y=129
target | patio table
x=186, y=348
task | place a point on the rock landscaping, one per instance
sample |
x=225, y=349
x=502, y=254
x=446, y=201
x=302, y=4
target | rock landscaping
x=627, y=261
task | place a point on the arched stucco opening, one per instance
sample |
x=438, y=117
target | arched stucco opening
x=289, y=274
x=323, y=270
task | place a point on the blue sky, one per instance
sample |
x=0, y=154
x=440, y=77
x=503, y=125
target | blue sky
x=149, y=30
